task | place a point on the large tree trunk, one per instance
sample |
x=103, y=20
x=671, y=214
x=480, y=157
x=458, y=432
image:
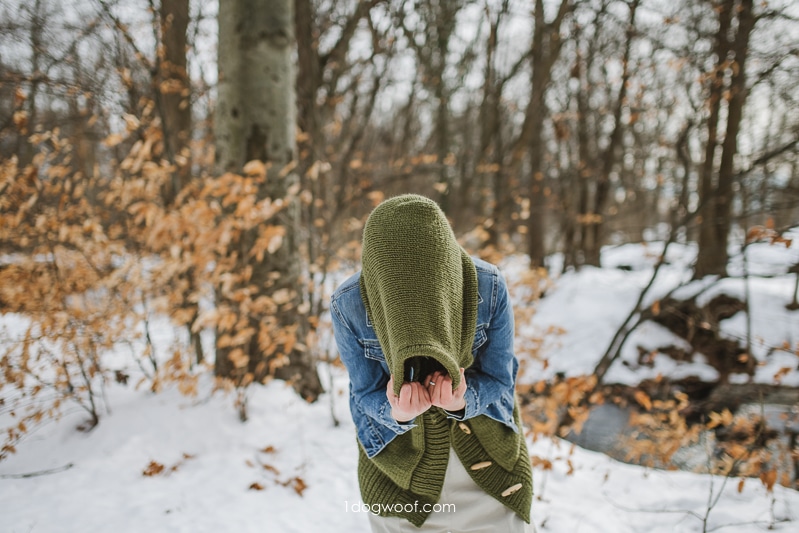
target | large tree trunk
x=256, y=120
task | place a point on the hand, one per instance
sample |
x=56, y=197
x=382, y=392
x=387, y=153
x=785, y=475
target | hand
x=439, y=387
x=412, y=401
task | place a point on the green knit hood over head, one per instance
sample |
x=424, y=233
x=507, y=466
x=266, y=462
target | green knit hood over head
x=419, y=286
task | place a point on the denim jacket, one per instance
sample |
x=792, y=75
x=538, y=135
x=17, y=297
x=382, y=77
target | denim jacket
x=490, y=379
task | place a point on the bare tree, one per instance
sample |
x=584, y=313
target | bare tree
x=430, y=39
x=610, y=157
x=716, y=194
x=546, y=47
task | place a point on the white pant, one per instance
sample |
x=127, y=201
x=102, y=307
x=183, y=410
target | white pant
x=471, y=510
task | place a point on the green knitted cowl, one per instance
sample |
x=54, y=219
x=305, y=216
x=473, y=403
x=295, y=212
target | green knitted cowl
x=419, y=286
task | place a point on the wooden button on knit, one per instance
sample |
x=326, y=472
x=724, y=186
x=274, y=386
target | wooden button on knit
x=481, y=465
x=511, y=490
x=464, y=428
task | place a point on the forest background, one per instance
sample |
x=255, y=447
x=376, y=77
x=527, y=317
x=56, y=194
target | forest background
x=214, y=163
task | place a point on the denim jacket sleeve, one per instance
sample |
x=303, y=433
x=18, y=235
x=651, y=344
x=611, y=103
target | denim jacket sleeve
x=490, y=379
x=361, y=355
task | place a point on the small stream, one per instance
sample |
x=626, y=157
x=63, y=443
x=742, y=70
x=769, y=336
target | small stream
x=608, y=430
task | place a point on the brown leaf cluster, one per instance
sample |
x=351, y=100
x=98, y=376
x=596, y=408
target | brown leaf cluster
x=737, y=444
x=154, y=468
x=96, y=258
x=767, y=233
x=295, y=482
x=660, y=429
x=558, y=407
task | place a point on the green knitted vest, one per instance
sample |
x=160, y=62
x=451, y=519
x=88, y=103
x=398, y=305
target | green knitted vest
x=420, y=291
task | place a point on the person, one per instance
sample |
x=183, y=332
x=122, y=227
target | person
x=426, y=334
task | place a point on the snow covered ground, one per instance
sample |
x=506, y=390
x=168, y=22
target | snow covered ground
x=290, y=469
x=217, y=459
x=590, y=305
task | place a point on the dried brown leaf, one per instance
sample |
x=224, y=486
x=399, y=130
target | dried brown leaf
x=153, y=469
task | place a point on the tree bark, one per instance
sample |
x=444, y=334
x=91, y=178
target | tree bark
x=309, y=71
x=173, y=95
x=38, y=20
x=729, y=148
x=256, y=120
x=174, y=90
x=546, y=49
x=711, y=249
x=578, y=218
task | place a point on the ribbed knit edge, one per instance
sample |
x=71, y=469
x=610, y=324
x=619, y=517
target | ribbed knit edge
x=428, y=478
x=501, y=441
x=378, y=489
x=400, y=457
x=425, y=350
x=495, y=479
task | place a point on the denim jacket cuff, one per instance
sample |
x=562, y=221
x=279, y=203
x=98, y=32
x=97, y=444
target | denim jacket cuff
x=472, y=406
x=390, y=423
x=460, y=414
